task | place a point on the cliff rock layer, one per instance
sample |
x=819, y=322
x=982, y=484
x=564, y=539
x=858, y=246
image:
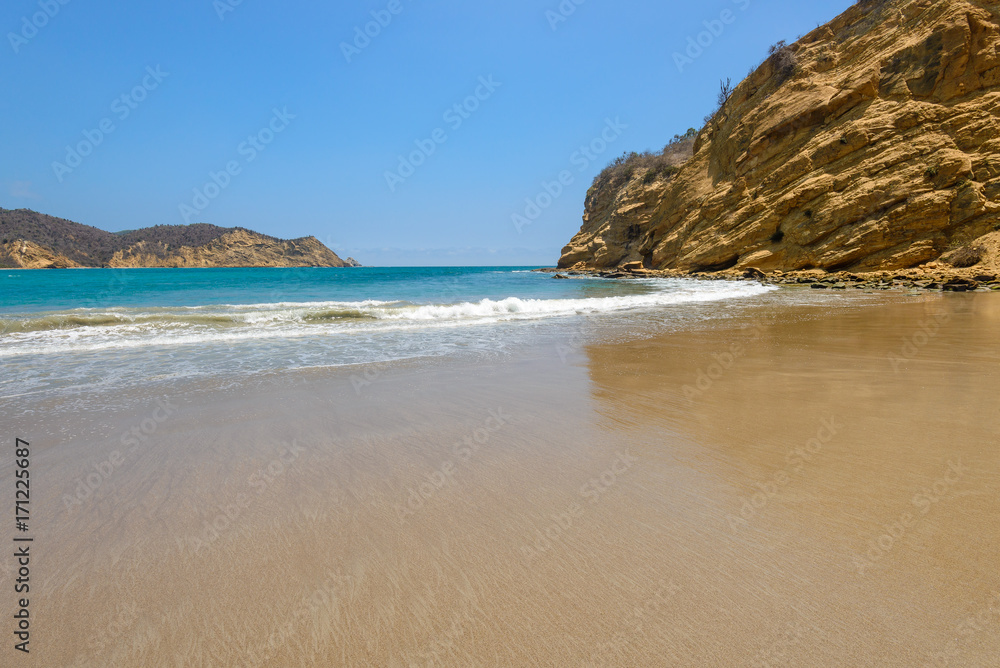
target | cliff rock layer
x=25, y=254
x=872, y=143
x=32, y=240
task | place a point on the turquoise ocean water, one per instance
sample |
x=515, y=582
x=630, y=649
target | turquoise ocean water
x=77, y=330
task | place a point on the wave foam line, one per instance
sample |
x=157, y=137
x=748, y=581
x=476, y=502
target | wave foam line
x=83, y=329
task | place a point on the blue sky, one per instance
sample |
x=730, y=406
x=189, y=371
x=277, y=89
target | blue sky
x=256, y=114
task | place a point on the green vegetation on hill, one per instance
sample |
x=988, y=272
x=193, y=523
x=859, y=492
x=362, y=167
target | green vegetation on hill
x=93, y=247
x=80, y=243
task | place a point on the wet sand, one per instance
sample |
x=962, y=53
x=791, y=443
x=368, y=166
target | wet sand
x=789, y=486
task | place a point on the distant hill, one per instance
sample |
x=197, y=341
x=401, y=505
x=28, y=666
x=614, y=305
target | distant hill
x=33, y=240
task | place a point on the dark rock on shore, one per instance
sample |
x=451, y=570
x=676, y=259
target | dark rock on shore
x=932, y=277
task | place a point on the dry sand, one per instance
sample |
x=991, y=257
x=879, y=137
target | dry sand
x=828, y=496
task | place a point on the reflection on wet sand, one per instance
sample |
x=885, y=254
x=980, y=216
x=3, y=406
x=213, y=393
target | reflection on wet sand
x=789, y=486
x=849, y=473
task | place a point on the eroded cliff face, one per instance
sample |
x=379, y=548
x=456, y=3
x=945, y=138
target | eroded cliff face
x=29, y=255
x=880, y=150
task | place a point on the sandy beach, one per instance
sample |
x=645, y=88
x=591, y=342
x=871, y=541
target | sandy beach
x=433, y=335
x=792, y=484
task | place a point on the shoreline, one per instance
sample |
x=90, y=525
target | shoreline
x=523, y=509
x=933, y=279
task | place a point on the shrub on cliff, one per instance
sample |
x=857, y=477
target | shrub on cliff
x=655, y=165
x=783, y=61
x=966, y=256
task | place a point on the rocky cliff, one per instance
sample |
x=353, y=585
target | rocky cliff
x=872, y=143
x=32, y=240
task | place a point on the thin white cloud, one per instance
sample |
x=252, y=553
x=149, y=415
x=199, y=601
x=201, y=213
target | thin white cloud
x=22, y=190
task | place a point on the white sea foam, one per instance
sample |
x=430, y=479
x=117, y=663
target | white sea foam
x=83, y=350
x=81, y=330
